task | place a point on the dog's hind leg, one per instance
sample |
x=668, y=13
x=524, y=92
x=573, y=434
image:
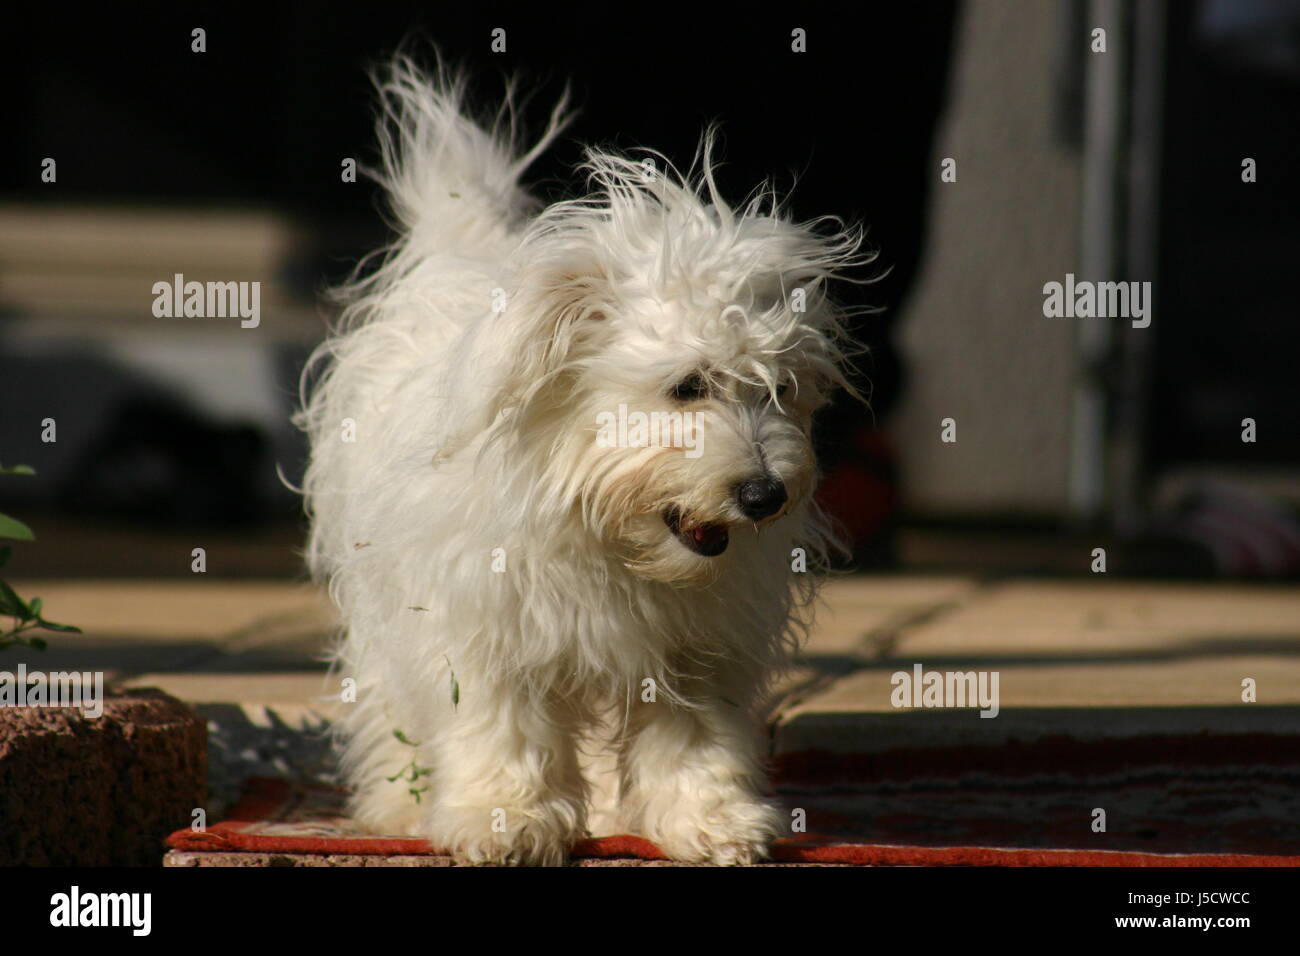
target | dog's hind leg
x=388, y=776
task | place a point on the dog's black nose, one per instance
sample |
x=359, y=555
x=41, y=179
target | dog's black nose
x=760, y=497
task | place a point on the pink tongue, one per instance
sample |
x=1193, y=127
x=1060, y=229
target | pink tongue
x=707, y=533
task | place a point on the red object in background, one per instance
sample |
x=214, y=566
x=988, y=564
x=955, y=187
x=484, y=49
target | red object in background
x=860, y=492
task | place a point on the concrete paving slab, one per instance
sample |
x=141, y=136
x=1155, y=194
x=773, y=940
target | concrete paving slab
x=301, y=688
x=856, y=608
x=1196, y=682
x=856, y=617
x=1097, y=617
x=205, y=609
x=135, y=627
x=1082, y=658
x=1084, y=701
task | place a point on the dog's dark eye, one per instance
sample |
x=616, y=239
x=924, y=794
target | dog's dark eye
x=691, y=388
x=783, y=389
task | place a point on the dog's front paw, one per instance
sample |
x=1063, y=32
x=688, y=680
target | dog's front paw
x=540, y=834
x=736, y=833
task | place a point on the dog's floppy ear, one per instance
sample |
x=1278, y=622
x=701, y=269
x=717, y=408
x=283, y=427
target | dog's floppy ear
x=510, y=356
x=551, y=314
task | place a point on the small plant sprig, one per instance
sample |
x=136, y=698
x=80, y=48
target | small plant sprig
x=412, y=772
x=26, y=615
x=455, y=684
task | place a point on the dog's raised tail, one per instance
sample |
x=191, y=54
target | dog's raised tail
x=452, y=182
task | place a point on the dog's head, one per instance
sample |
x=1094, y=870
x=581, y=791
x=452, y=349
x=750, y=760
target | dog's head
x=666, y=355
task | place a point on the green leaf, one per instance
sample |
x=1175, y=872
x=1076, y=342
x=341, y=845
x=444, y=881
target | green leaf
x=15, y=529
x=455, y=691
x=17, y=470
x=34, y=605
x=11, y=604
x=4, y=555
x=60, y=628
x=38, y=642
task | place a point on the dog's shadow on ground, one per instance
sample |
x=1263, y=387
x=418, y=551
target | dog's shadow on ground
x=250, y=741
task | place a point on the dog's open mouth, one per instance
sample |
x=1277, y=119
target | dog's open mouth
x=707, y=540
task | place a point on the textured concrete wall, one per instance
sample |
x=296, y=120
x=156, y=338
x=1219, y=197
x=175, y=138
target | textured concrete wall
x=978, y=347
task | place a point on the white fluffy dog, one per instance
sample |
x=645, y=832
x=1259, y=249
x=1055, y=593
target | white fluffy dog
x=516, y=583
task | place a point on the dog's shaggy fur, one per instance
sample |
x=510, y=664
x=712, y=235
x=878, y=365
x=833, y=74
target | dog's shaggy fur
x=511, y=588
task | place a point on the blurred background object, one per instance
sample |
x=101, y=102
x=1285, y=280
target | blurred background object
x=1071, y=433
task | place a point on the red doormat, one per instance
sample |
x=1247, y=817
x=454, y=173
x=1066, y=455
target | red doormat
x=1236, y=804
